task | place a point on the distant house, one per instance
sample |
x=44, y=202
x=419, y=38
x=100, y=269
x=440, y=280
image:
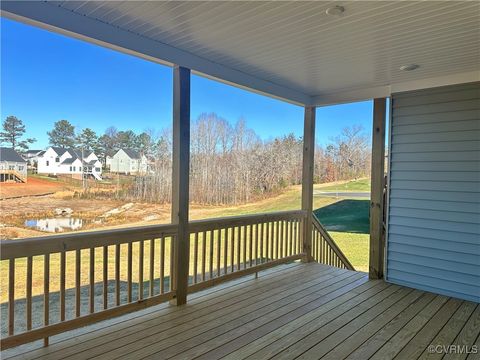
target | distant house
x=31, y=156
x=128, y=161
x=60, y=161
x=12, y=166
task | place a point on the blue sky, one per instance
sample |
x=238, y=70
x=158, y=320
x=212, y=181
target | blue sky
x=46, y=77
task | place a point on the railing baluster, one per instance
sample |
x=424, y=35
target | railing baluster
x=195, y=257
x=11, y=296
x=46, y=293
x=62, y=286
x=313, y=249
x=225, y=251
x=204, y=253
x=277, y=240
x=78, y=293
x=141, y=248
x=129, y=272
x=105, y=277
x=267, y=240
x=250, y=244
x=262, y=258
x=319, y=245
x=210, y=259
x=29, y=292
x=239, y=237
x=292, y=242
x=232, y=249
x=92, y=280
x=117, y=274
x=172, y=264
x=162, y=265
x=256, y=244
x=152, y=267
x=219, y=245
x=244, y=242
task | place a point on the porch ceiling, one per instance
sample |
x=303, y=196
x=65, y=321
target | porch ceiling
x=287, y=49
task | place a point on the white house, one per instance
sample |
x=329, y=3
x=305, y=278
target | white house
x=57, y=161
x=12, y=166
x=32, y=156
x=128, y=162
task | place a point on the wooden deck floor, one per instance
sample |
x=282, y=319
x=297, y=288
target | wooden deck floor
x=307, y=311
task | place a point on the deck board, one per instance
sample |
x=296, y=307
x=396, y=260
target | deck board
x=307, y=311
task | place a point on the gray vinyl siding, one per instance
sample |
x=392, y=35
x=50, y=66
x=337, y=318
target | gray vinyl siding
x=433, y=240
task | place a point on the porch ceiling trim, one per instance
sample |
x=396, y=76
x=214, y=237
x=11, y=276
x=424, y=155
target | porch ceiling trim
x=65, y=22
x=385, y=91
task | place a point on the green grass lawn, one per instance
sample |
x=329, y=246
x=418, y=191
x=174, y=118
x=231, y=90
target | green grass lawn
x=355, y=246
x=354, y=185
x=347, y=215
x=347, y=221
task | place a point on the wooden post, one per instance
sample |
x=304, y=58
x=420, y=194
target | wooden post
x=376, y=195
x=180, y=179
x=307, y=179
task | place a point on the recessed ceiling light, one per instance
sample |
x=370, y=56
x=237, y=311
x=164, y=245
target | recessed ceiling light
x=409, y=67
x=336, y=10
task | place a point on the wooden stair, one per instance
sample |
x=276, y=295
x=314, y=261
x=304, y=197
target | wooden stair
x=12, y=176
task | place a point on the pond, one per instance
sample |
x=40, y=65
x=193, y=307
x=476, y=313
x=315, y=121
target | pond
x=55, y=225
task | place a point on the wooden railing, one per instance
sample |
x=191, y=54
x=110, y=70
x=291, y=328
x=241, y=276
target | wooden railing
x=324, y=248
x=107, y=273
x=13, y=175
x=230, y=247
x=61, y=282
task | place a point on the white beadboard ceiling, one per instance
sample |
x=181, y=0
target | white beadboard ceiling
x=288, y=49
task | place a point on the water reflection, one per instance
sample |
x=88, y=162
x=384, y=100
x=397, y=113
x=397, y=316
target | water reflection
x=55, y=224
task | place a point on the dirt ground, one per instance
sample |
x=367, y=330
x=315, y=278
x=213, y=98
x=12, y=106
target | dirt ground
x=106, y=213
x=33, y=186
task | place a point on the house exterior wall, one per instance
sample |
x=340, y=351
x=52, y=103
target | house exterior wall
x=48, y=164
x=20, y=167
x=433, y=228
x=122, y=163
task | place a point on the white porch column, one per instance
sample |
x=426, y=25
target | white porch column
x=180, y=179
x=307, y=179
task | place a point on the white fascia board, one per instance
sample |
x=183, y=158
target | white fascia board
x=63, y=21
x=350, y=96
x=363, y=94
x=452, y=79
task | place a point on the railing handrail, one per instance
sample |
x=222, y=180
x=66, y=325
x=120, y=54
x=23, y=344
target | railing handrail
x=42, y=245
x=230, y=221
x=333, y=245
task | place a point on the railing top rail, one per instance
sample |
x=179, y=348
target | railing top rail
x=230, y=221
x=11, y=249
x=318, y=225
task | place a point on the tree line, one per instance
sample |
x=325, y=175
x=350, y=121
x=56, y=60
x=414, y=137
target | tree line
x=229, y=163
